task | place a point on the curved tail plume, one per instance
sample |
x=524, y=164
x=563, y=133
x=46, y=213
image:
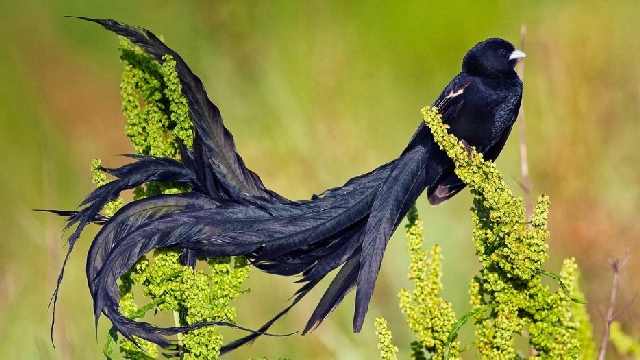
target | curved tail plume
x=144, y=170
x=229, y=212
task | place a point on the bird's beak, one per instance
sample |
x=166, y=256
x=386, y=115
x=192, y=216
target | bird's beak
x=517, y=54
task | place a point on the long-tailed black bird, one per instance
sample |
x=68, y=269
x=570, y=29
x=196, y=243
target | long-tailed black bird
x=229, y=211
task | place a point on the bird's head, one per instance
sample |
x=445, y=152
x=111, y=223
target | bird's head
x=492, y=58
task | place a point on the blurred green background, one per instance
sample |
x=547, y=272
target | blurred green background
x=316, y=92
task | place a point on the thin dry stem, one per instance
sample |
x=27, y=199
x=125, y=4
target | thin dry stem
x=616, y=267
x=525, y=181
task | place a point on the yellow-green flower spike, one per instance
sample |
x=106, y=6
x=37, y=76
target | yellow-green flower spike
x=429, y=316
x=387, y=350
x=624, y=343
x=508, y=297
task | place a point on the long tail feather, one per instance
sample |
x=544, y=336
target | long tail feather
x=403, y=186
x=131, y=328
x=216, y=139
x=222, y=229
x=98, y=219
x=134, y=215
x=344, y=281
x=129, y=176
x=251, y=337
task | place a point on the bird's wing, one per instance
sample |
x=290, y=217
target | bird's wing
x=494, y=150
x=451, y=99
x=449, y=104
x=506, y=116
x=219, y=150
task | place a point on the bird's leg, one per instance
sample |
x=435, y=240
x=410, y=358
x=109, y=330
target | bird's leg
x=174, y=350
x=467, y=147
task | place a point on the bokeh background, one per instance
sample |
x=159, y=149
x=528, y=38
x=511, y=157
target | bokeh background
x=316, y=92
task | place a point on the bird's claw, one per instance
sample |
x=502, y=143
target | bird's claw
x=468, y=147
x=175, y=350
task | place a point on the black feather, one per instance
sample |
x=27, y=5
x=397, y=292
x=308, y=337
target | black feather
x=399, y=192
x=344, y=281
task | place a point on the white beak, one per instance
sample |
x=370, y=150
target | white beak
x=517, y=54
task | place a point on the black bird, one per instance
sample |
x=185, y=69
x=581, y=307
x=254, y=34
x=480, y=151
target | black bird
x=229, y=211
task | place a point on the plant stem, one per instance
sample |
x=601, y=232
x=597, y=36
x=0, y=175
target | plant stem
x=525, y=180
x=177, y=322
x=616, y=266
